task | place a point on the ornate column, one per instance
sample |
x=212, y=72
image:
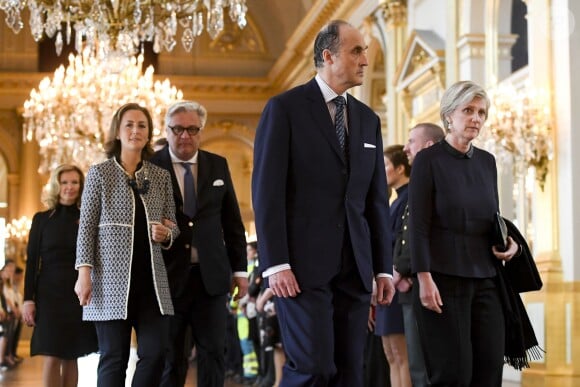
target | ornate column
x=31, y=185
x=553, y=60
x=391, y=20
x=471, y=57
x=452, y=48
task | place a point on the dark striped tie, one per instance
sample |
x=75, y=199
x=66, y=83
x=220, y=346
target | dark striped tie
x=189, y=199
x=339, y=121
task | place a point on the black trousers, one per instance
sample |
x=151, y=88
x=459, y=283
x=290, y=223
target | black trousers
x=463, y=346
x=323, y=330
x=206, y=315
x=114, y=336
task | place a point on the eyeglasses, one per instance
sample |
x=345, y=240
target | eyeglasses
x=178, y=130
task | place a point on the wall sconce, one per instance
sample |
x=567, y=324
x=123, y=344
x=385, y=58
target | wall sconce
x=519, y=127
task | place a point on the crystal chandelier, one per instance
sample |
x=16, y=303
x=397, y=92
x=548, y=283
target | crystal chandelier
x=17, y=237
x=122, y=25
x=70, y=114
x=519, y=130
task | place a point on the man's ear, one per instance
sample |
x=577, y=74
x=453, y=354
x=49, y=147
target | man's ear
x=327, y=55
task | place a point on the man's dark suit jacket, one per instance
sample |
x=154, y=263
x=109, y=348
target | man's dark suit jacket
x=305, y=193
x=216, y=230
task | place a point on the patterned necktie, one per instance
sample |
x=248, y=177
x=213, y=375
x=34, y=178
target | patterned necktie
x=339, y=121
x=189, y=199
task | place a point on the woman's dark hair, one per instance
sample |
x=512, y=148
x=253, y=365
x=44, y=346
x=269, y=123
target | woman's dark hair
x=327, y=39
x=113, y=144
x=398, y=157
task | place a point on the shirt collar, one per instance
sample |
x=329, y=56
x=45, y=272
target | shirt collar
x=175, y=159
x=455, y=153
x=402, y=189
x=326, y=90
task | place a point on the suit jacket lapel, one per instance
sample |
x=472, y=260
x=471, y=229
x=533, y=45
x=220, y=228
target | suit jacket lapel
x=203, y=178
x=354, y=129
x=168, y=164
x=321, y=116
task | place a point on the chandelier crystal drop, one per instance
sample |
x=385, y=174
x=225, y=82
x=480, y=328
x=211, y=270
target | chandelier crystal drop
x=122, y=25
x=69, y=114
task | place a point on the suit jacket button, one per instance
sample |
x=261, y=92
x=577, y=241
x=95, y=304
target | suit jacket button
x=190, y=224
x=187, y=246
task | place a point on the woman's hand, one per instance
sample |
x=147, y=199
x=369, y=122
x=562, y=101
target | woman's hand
x=84, y=285
x=161, y=232
x=429, y=293
x=512, y=249
x=29, y=313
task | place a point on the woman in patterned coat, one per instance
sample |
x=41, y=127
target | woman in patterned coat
x=127, y=217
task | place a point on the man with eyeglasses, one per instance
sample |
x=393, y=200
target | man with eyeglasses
x=208, y=260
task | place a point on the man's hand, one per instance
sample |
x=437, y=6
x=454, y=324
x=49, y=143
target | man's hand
x=371, y=321
x=239, y=287
x=284, y=284
x=385, y=290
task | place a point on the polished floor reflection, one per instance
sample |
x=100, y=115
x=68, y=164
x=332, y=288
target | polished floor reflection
x=29, y=373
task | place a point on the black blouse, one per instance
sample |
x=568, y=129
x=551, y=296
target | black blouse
x=452, y=201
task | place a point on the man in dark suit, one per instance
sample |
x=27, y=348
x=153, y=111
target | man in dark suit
x=208, y=259
x=320, y=200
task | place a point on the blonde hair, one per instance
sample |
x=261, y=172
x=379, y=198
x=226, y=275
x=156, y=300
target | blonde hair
x=52, y=192
x=461, y=93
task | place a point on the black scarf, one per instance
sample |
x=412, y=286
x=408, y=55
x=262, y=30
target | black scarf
x=521, y=344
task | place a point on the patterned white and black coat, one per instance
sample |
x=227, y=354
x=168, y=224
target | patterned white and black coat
x=106, y=233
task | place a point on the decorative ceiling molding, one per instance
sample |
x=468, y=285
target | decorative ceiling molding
x=15, y=88
x=296, y=63
x=230, y=129
x=233, y=41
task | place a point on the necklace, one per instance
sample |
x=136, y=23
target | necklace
x=133, y=183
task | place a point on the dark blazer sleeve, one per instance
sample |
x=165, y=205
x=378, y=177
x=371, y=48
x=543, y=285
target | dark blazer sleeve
x=421, y=202
x=271, y=154
x=233, y=226
x=33, y=255
x=401, y=252
x=377, y=213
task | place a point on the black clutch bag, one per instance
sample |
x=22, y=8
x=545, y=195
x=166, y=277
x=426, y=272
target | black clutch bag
x=500, y=233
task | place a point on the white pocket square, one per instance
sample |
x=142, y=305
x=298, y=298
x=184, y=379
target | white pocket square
x=218, y=183
x=367, y=145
